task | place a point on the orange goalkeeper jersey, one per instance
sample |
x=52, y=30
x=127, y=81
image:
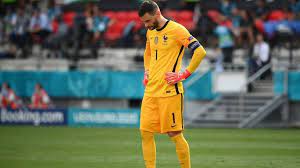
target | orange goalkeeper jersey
x=164, y=51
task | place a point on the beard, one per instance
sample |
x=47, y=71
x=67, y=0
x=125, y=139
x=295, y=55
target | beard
x=155, y=25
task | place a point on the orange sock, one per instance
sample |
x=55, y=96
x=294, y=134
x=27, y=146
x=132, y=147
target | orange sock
x=149, y=149
x=182, y=150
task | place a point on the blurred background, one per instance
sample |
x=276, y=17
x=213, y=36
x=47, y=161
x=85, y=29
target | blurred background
x=71, y=83
x=79, y=62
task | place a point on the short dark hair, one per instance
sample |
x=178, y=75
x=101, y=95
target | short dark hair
x=147, y=6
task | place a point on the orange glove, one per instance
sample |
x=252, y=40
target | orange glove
x=145, y=80
x=175, y=77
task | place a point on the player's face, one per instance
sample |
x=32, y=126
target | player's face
x=150, y=21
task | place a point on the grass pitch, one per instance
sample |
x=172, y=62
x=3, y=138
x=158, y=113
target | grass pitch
x=62, y=147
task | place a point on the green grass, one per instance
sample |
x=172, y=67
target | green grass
x=62, y=147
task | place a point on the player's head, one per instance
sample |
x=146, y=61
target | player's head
x=149, y=13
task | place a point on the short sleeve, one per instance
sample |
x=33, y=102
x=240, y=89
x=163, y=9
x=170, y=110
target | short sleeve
x=184, y=37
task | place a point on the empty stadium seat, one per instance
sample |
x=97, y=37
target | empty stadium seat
x=133, y=15
x=122, y=18
x=115, y=31
x=68, y=18
x=110, y=14
x=214, y=15
x=170, y=14
x=188, y=25
x=277, y=15
x=122, y=15
x=185, y=15
x=186, y=19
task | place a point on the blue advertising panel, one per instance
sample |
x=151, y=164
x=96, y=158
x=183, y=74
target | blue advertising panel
x=102, y=117
x=94, y=84
x=293, y=84
x=33, y=117
x=201, y=89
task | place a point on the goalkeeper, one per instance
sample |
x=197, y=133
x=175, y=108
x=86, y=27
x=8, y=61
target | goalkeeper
x=162, y=105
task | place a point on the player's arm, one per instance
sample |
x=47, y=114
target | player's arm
x=147, y=56
x=198, y=55
x=198, y=51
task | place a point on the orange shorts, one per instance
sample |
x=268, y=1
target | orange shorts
x=162, y=114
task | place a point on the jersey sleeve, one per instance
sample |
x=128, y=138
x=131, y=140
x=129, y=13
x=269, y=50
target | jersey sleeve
x=184, y=37
x=188, y=41
x=147, y=53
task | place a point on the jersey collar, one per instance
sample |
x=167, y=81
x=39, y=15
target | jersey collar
x=165, y=25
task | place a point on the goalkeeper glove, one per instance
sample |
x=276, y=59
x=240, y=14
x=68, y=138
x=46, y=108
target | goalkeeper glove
x=145, y=80
x=175, y=77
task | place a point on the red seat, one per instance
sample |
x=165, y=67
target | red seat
x=214, y=15
x=133, y=16
x=112, y=36
x=226, y=23
x=171, y=14
x=122, y=16
x=188, y=25
x=54, y=25
x=68, y=18
x=259, y=24
x=110, y=14
x=277, y=15
x=185, y=15
x=115, y=31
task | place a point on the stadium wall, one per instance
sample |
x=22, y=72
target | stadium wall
x=34, y=117
x=293, y=92
x=104, y=117
x=293, y=84
x=74, y=117
x=93, y=84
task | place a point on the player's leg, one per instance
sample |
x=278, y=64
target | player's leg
x=182, y=148
x=171, y=111
x=149, y=124
x=149, y=149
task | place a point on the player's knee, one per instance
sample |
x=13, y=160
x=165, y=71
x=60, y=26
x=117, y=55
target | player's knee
x=146, y=135
x=173, y=133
